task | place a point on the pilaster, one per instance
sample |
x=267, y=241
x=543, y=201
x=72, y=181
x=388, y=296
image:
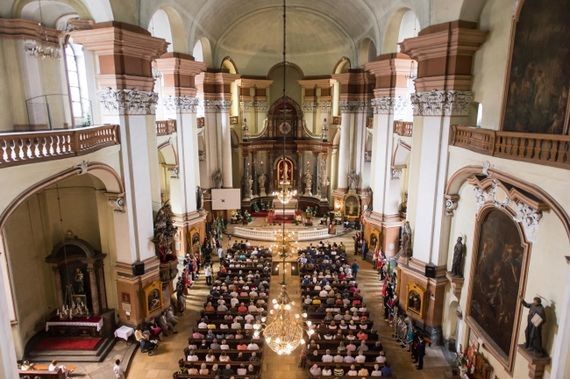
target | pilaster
x=254, y=102
x=317, y=104
x=215, y=90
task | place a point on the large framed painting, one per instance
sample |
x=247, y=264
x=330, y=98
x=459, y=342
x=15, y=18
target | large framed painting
x=538, y=77
x=153, y=297
x=496, y=280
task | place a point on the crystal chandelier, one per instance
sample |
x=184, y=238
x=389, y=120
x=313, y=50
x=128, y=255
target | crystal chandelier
x=284, y=243
x=284, y=331
x=285, y=194
x=42, y=49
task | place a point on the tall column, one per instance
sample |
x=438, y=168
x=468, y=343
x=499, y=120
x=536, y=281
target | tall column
x=391, y=99
x=443, y=97
x=180, y=103
x=124, y=53
x=216, y=91
x=355, y=91
x=8, y=368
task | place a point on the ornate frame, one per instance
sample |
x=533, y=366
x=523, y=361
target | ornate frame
x=414, y=287
x=148, y=290
x=489, y=344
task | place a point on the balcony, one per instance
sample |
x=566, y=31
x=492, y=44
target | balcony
x=544, y=149
x=404, y=128
x=29, y=147
x=165, y=127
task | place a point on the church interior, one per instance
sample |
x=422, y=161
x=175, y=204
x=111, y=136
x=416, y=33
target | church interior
x=284, y=189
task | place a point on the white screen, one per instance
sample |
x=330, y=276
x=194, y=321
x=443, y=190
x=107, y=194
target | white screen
x=226, y=199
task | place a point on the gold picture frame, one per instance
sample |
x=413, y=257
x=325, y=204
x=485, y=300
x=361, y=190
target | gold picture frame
x=415, y=300
x=153, y=297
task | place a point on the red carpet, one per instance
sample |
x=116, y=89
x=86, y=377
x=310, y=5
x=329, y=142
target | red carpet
x=71, y=343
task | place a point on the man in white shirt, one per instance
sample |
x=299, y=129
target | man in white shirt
x=348, y=358
x=202, y=325
x=118, y=370
x=192, y=357
x=327, y=357
x=381, y=358
x=338, y=358
x=360, y=358
x=252, y=346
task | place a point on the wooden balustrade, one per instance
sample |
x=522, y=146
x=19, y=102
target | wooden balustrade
x=29, y=147
x=404, y=128
x=165, y=127
x=545, y=149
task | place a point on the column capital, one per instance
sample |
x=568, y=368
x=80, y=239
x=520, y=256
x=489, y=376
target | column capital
x=217, y=105
x=445, y=55
x=390, y=104
x=128, y=101
x=124, y=53
x=183, y=104
x=442, y=103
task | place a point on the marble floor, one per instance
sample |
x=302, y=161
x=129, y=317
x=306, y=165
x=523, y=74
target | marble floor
x=164, y=362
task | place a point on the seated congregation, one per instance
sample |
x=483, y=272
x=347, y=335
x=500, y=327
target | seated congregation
x=226, y=341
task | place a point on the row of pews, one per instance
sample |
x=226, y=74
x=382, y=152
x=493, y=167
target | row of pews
x=342, y=340
x=226, y=342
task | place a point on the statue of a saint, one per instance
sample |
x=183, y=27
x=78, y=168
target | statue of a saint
x=406, y=240
x=352, y=180
x=79, y=281
x=456, y=267
x=285, y=172
x=533, y=332
x=261, y=183
x=308, y=180
x=217, y=178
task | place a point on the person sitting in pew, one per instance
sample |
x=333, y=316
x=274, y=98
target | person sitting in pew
x=192, y=357
x=242, y=370
x=326, y=371
x=338, y=371
x=352, y=371
x=376, y=371
x=193, y=370
x=204, y=369
x=315, y=370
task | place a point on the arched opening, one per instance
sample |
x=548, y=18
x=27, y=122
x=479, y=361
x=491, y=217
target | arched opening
x=202, y=51
x=293, y=75
x=342, y=66
x=402, y=24
x=366, y=51
x=159, y=26
x=69, y=226
x=229, y=66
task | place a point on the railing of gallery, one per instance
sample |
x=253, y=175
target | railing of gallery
x=30, y=147
x=261, y=234
x=165, y=127
x=546, y=149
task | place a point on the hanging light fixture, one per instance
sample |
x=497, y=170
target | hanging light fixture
x=284, y=330
x=42, y=49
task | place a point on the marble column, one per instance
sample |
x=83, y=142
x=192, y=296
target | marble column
x=8, y=368
x=124, y=54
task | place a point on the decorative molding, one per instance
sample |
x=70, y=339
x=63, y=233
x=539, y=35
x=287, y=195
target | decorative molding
x=528, y=217
x=353, y=106
x=404, y=128
x=442, y=103
x=390, y=104
x=396, y=172
x=451, y=203
x=456, y=284
x=83, y=167
x=255, y=105
x=128, y=101
x=116, y=201
x=325, y=106
x=174, y=172
x=214, y=105
x=185, y=104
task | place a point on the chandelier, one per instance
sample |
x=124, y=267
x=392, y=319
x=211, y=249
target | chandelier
x=284, y=243
x=285, y=194
x=42, y=49
x=284, y=331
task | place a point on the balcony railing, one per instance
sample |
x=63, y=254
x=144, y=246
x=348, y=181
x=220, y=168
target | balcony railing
x=403, y=128
x=165, y=127
x=546, y=149
x=29, y=147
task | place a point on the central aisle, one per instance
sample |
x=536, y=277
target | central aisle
x=283, y=366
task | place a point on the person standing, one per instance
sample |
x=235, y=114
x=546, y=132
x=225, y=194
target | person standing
x=208, y=274
x=421, y=351
x=355, y=267
x=118, y=370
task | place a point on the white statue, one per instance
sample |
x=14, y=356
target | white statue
x=261, y=183
x=353, y=180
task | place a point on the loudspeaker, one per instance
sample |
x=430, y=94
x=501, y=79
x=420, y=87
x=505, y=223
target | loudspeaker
x=430, y=271
x=138, y=268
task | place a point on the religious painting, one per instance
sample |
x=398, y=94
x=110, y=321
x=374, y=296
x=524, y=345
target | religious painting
x=496, y=280
x=374, y=240
x=153, y=296
x=415, y=299
x=539, y=79
x=351, y=206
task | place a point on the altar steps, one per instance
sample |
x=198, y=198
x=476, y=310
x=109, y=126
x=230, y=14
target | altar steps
x=97, y=354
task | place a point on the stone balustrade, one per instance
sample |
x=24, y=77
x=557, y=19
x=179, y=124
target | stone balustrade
x=404, y=128
x=545, y=149
x=269, y=234
x=28, y=147
x=165, y=127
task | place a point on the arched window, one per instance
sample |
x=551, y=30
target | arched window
x=77, y=85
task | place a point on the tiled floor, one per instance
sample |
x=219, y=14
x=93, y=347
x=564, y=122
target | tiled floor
x=164, y=362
